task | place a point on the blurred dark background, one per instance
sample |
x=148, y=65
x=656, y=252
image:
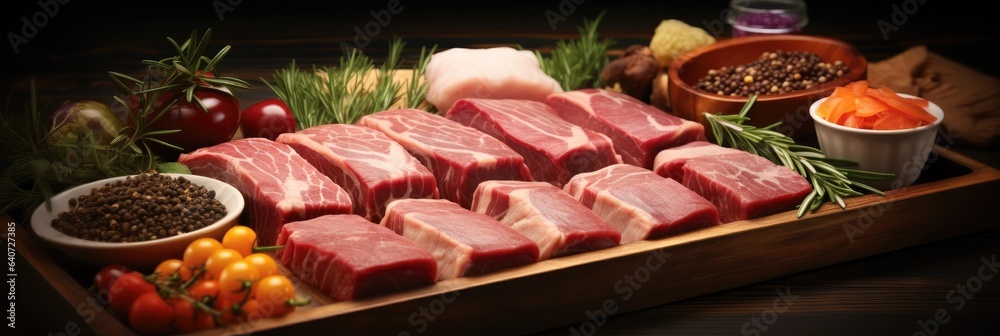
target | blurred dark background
x=70, y=53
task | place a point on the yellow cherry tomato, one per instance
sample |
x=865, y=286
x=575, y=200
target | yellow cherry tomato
x=235, y=280
x=169, y=267
x=199, y=250
x=273, y=293
x=219, y=260
x=240, y=238
x=264, y=263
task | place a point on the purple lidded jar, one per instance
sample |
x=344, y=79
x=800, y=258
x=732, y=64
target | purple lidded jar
x=753, y=17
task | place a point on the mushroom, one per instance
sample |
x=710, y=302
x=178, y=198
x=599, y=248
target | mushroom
x=634, y=72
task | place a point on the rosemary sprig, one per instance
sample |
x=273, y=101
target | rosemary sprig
x=416, y=90
x=577, y=64
x=831, y=180
x=345, y=93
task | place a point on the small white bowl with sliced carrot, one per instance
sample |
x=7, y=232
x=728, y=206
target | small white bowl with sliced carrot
x=881, y=130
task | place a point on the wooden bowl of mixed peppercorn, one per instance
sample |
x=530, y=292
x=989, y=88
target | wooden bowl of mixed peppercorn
x=787, y=72
x=137, y=220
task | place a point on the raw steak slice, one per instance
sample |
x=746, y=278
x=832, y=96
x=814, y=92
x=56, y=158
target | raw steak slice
x=640, y=204
x=500, y=72
x=278, y=184
x=348, y=257
x=740, y=184
x=460, y=157
x=670, y=163
x=372, y=168
x=553, y=149
x=638, y=130
x=462, y=241
x=547, y=215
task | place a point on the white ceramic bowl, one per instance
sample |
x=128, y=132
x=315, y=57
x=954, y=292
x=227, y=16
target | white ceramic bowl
x=901, y=152
x=136, y=255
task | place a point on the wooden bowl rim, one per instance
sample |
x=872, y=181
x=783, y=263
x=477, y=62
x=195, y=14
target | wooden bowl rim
x=860, y=62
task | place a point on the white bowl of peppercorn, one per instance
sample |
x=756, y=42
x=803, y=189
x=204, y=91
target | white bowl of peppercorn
x=137, y=220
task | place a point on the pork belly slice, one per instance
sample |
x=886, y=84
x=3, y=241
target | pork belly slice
x=462, y=241
x=373, y=169
x=553, y=149
x=639, y=131
x=547, y=215
x=740, y=184
x=347, y=257
x=460, y=157
x=640, y=204
x=500, y=73
x=279, y=186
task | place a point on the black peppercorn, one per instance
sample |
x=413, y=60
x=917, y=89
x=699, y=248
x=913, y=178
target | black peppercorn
x=140, y=208
x=794, y=70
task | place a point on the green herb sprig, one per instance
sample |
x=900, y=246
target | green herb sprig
x=577, y=64
x=345, y=93
x=831, y=180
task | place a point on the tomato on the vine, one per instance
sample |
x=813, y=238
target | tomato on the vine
x=199, y=250
x=225, y=308
x=124, y=291
x=169, y=267
x=250, y=311
x=219, y=260
x=233, y=278
x=273, y=293
x=240, y=238
x=267, y=119
x=188, y=318
x=104, y=277
x=151, y=315
x=264, y=263
x=204, y=288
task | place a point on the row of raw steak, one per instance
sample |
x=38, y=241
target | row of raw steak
x=495, y=184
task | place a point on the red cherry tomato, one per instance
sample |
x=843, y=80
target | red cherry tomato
x=267, y=119
x=189, y=319
x=151, y=315
x=124, y=291
x=199, y=128
x=104, y=277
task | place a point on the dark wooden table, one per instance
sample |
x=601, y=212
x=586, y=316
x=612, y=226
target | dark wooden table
x=896, y=293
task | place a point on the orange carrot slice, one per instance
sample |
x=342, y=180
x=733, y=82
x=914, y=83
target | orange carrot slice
x=853, y=120
x=824, y=108
x=869, y=106
x=920, y=102
x=896, y=121
x=897, y=102
x=858, y=87
x=844, y=106
x=842, y=92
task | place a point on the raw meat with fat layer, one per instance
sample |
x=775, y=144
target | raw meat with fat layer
x=347, y=257
x=501, y=73
x=547, y=215
x=460, y=157
x=639, y=131
x=372, y=168
x=462, y=241
x=553, y=149
x=279, y=186
x=640, y=204
x=740, y=184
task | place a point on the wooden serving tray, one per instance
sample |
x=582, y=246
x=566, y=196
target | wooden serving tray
x=580, y=291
